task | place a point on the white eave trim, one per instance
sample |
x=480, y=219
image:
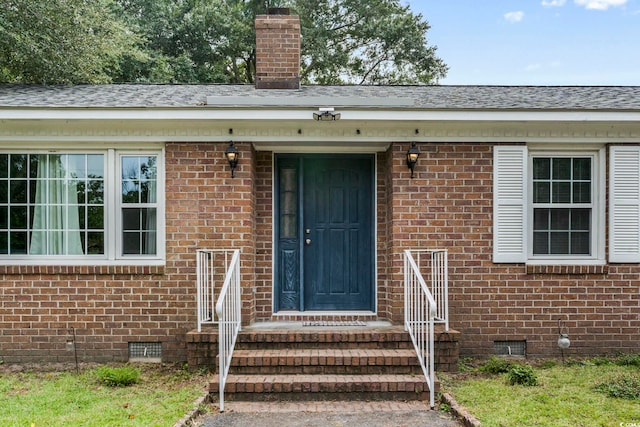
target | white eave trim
x=287, y=114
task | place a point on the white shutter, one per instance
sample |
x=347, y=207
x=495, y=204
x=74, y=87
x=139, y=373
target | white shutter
x=509, y=203
x=624, y=204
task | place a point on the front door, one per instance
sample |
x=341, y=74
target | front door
x=324, y=235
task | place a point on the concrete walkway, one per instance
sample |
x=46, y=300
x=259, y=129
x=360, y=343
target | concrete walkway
x=327, y=414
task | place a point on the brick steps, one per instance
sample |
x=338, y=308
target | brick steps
x=325, y=361
x=290, y=363
x=299, y=387
x=374, y=338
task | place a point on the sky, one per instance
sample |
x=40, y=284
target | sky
x=535, y=42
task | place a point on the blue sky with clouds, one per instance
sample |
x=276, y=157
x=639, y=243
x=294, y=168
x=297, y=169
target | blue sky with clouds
x=535, y=42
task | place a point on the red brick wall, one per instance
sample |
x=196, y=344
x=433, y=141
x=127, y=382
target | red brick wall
x=111, y=306
x=449, y=205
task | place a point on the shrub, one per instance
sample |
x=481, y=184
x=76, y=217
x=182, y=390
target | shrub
x=496, y=365
x=601, y=361
x=118, y=377
x=628, y=360
x=624, y=387
x=522, y=375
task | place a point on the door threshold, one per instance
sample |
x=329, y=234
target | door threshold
x=325, y=314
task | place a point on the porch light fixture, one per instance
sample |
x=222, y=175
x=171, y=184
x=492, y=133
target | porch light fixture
x=231, y=153
x=412, y=157
x=326, y=115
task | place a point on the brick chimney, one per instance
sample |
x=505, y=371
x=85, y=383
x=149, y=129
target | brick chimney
x=277, y=50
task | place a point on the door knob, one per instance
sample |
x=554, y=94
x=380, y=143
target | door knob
x=307, y=241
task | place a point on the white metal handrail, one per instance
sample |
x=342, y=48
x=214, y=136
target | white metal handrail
x=228, y=310
x=421, y=311
x=434, y=268
x=211, y=269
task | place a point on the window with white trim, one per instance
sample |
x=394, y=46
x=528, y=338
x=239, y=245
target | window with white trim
x=562, y=206
x=549, y=206
x=75, y=207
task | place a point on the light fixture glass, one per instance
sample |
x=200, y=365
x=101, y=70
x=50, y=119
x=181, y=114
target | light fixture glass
x=412, y=157
x=232, y=154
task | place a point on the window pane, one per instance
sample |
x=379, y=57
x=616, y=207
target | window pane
x=18, y=166
x=131, y=243
x=130, y=168
x=541, y=192
x=581, y=219
x=580, y=243
x=18, y=190
x=561, y=168
x=95, y=217
x=139, y=231
x=95, y=243
x=560, y=219
x=582, y=169
x=95, y=166
x=4, y=242
x=4, y=166
x=4, y=191
x=541, y=219
x=541, y=168
x=581, y=192
x=76, y=167
x=18, y=242
x=130, y=191
x=4, y=217
x=559, y=243
x=561, y=192
x=95, y=192
x=131, y=219
x=18, y=217
x=288, y=203
x=541, y=243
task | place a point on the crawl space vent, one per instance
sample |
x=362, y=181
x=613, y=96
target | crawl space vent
x=510, y=348
x=145, y=352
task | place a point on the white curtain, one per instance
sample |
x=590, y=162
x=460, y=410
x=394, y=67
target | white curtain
x=56, y=228
x=152, y=225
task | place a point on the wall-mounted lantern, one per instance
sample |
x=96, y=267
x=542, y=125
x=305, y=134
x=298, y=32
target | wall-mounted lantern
x=412, y=157
x=231, y=153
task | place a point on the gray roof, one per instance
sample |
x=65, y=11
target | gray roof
x=418, y=97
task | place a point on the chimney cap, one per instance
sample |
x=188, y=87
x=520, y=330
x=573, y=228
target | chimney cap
x=278, y=11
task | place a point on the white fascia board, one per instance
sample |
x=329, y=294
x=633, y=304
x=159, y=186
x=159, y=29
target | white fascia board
x=276, y=115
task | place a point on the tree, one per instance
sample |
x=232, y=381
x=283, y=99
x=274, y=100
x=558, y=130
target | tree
x=209, y=41
x=61, y=41
x=344, y=41
x=365, y=42
x=192, y=41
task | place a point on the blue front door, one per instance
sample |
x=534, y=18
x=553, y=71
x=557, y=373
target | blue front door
x=324, y=243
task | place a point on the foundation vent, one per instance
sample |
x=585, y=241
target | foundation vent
x=150, y=352
x=510, y=348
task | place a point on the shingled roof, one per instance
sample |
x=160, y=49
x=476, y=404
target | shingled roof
x=595, y=98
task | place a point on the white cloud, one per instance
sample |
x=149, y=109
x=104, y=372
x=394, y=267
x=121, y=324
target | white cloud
x=599, y=4
x=553, y=3
x=514, y=16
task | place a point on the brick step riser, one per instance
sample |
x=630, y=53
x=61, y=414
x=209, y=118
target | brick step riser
x=323, y=345
x=326, y=370
x=327, y=396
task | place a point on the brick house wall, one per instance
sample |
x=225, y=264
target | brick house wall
x=447, y=205
x=110, y=306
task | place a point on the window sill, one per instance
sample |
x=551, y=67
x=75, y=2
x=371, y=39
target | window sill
x=153, y=270
x=567, y=269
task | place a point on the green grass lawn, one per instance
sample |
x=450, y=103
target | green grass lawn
x=38, y=399
x=565, y=396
